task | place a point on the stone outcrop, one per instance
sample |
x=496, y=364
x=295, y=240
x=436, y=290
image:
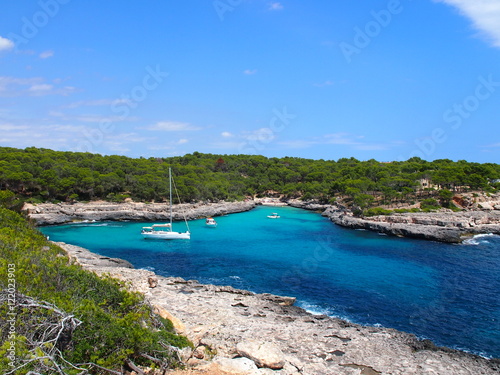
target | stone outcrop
x=480, y=215
x=88, y=259
x=236, y=331
x=262, y=353
x=49, y=213
x=452, y=227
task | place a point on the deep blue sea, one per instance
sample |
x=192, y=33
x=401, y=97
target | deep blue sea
x=446, y=293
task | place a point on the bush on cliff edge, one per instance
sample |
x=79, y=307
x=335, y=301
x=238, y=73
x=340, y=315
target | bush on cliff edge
x=64, y=319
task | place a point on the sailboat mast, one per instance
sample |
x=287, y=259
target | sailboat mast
x=170, y=189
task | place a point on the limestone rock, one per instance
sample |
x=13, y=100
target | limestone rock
x=436, y=226
x=237, y=366
x=178, y=326
x=264, y=354
x=153, y=282
x=221, y=318
x=50, y=214
x=84, y=257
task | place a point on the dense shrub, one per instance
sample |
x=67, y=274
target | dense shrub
x=375, y=211
x=109, y=325
x=429, y=204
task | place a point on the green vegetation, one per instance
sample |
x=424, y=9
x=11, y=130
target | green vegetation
x=40, y=175
x=69, y=321
x=64, y=320
x=429, y=204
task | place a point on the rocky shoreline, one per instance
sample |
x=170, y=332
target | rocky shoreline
x=239, y=332
x=61, y=213
x=444, y=226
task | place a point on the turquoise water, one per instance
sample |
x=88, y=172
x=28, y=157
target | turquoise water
x=447, y=293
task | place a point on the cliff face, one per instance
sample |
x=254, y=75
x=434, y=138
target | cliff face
x=481, y=215
x=50, y=214
x=452, y=227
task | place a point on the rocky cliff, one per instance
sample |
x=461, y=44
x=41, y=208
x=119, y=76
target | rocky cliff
x=452, y=227
x=480, y=215
x=49, y=213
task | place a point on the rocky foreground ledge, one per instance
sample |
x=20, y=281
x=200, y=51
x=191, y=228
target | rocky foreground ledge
x=61, y=213
x=239, y=332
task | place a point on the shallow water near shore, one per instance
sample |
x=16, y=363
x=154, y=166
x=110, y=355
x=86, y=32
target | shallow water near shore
x=447, y=293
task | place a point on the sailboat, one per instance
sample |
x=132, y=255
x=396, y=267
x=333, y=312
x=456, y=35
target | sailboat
x=164, y=231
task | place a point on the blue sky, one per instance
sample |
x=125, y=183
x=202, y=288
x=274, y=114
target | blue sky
x=319, y=79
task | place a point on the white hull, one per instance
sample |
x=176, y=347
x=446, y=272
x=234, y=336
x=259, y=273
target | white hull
x=211, y=223
x=160, y=235
x=164, y=231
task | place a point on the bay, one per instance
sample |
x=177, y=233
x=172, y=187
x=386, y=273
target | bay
x=446, y=293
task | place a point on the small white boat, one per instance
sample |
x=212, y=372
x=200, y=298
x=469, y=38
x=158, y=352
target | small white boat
x=274, y=215
x=210, y=222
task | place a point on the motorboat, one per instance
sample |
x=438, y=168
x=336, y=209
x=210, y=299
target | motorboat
x=210, y=222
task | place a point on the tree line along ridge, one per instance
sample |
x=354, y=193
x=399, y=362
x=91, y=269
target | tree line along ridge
x=40, y=175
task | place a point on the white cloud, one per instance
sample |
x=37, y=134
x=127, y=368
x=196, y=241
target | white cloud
x=9, y=127
x=493, y=145
x=6, y=44
x=46, y=54
x=46, y=89
x=120, y=142
x=172, y=126
x=11, y=87
x=41, y=87
x=227, y=134
x=96, y=103
x=56, y=114
x=485, y=15
x=342, y=139
x=276, y=6
x=299, y=143
x=352, y=141
x=250, y=72
x=8, y=84
x=229, y=145
x=53, y=136
x=102, y=119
